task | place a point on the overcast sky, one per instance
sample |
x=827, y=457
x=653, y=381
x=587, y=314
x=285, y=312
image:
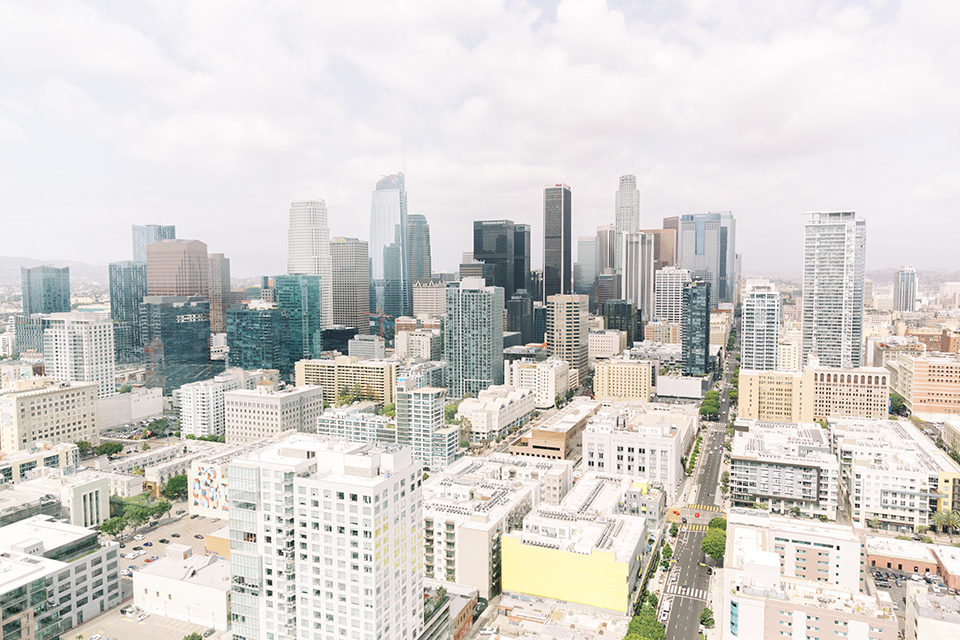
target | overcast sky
x=215, y=115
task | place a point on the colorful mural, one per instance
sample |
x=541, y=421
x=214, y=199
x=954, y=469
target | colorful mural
x=209, y=490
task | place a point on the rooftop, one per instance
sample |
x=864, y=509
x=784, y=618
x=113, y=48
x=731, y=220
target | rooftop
x=569, y=416
x=907, y=549
x=42, y=529
x=544, y=619
x=949, y=557
x=19, y=569
x=205, y=571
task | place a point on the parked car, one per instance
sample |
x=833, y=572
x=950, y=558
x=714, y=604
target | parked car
x=139, y=536
x=198, y=536
x=174, y=535
x=148, y=544
x=164, y=541
x=194, y=517
x=487, y=631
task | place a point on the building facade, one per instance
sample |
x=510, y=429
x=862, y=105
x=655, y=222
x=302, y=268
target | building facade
x=473, y=336
x=178, y=267
x=760, y=326
x=45, y=290
x=567, y=329
x=79, y=347
x=695, y=328
x=145, y=234
x=350, y=260
x=308, y=250
x=557, y=241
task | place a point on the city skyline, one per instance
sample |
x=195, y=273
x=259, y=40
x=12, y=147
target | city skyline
x=769, y=146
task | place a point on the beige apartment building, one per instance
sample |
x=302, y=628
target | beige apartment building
x=376, y=379
x=815, y=394
x=622, y=379
x=929, y=384
x=55, y=412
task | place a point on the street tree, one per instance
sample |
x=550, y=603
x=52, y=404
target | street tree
x=176, y=487
x=113, y=526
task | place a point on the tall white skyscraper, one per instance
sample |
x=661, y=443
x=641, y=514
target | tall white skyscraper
x=473, y=336
x=326, y=541
x=637, y=273
x=760, y=326
x=706, y=245
x=389, y=268
x=628, y=214
x=308, y=249
x=79, y=347
x=905, y=289
x=668, y=306
x=420, y=426
x=834, y=257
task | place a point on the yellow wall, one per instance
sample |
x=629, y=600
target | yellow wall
x=597, y=580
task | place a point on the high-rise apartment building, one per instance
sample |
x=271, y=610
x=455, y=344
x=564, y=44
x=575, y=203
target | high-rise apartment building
x=637, y=274
x=429, y=299
x=627, y=215
x=326, y=541
x=557, y=241
x=706, y=245
x=308, y=249
x=176, y=339
x=178, y=267
x=259, y=339
x=420, y=426
x=145, y=234
x=351, y=283
x=521, y=247
x=473, y=336
x=494, y=244
x=78, y=347
x=418, y=248
x=219, y=280
x=834, y=257
x=389, y=271
x=760, y=326
x=370, y=379
x=664, y=247
x=585, y=271
x=45, y=290
x=606, y=248
x=905, y=289
x=567, y=329
x=128, y=286
x=300, y=296
x=695, y=328
x=668, y=306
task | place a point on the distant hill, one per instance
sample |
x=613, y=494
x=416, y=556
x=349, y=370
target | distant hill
x=80, y=272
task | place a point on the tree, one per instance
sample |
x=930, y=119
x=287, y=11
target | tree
x=674, y=530
x=108, y=449
x=176, y=487
x=717, y=523
x=939, y=520
x=898, y=405
x=795, y=512
x=714, y=543
x=652, y=600
x=145, y=446
x=706, y=617
x=390, y=410
x=193, y=636
x=558, y=401
x=874, y=523
x=127, y=388
x=160, y=508
x=137, y=514
x=113, y=526
x=667, y=551
x=84, y=447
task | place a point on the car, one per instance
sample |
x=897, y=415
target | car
x=96, y=636
x=174, y=535
x=138, y=548
x=194, y=517
x=916, y=578
x=147, y=561
x=142, y=617
x=181, y=511
x=209, y=632
x=164, y=541
x=123, y=546
x=896, y=606
x=148, y=544
x=883, y=585
x=487, y=631
x=899, y=582
x=952, y=592
x=154, y=558
x=664, y=615
x=198, y=536
x=126, y=573
x=683, y=529
x=139, y=536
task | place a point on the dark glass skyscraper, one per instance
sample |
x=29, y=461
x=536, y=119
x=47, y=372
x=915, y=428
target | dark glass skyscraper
x=695, y=328
x=128, y=286
x=520, y=315
x=176, y=336
x=557, y=241
x=521, y=249
x=494, y=244
x=299, y=296
x=45, y=290
x=259, y=339
x=620, y=315
x=418, y=248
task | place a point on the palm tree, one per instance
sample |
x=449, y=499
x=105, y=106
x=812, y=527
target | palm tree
x=940, y=519
x=953, y=521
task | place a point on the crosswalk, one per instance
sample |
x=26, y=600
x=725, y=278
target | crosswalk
x=696, y=527
x=704, y=507
x=678, y=590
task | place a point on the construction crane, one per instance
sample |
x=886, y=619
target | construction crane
x=384, y=318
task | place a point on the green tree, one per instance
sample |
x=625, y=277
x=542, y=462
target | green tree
x=874, y=523
x=390, y=410
x=160, y=424
x=193, y=636
x=160, y=508
x=127, y=388
x=113, y=526
x=137, y=514
x=667, y=551
x=558, y=401
x=108, y=449
x=795, y=512
x=176, y=487
x=706, y=617
x=84, y=447
x=898, y=405
x=714, y=543
x=717, y=523
x=674, y=530
x=145, y=446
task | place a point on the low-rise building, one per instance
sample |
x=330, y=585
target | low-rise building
x=623, y=379
x=585, y=551
x=555, y=476
x=900, y=555
x=352, y=423
x=559, y=437
x=786, y=468
x=664, y=353
x=18, y=466
x=373, y=379
x=28, y=581
x=664, y=332
x=84, y=496
x=948, y=565
x=495, y=410
x=54, y=412
x=546, y=378
x=552, y=620
x=202, y=407
x=605, y=343
x=186, y=587
x=929, y=384
x=422, y=344
x=931, y=615
x=642, y=440
x=264, y=413
x=367, y=347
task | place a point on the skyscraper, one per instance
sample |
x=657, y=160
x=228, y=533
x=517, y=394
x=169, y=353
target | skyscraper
x=664, y=245
x=567, y=329
x=351, y=283
x=308, y=249
x=520, y=315
x=418, y=248
x=834, y=258
x=219, y=283
x=300, y=297
x=420, y=426
x=620, y=315
x=145, y=234
x=78, y=347
x=473, y=336
x=557, y=241
x=707, y=247
x=389, y=271
x=668, y=305
x=493, y=244
x=45, y=290
x=695, y=328
x=586, y=267
x=760, y=326
x=606, y=248
x=178, y=268
x=176, y=335
x=637, y=272
x=128, y=286
x=378, y=594
x=521, y=247
x=905, y=289
x=259, y=339
x=628, y=215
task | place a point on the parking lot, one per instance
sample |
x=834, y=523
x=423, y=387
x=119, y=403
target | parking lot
x=113, y=624
x=897, y=593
